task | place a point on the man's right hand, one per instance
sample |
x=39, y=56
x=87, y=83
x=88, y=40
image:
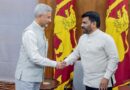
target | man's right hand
x=104, y=84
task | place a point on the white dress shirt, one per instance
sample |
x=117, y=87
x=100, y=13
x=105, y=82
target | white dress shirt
x=99, y=57
x=33, y=55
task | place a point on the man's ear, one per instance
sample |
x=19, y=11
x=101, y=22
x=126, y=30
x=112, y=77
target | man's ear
x=93, y=24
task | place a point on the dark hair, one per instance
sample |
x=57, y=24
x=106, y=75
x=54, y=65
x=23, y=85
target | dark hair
x=93, y=17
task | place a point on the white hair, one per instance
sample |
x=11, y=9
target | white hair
x=42, y=8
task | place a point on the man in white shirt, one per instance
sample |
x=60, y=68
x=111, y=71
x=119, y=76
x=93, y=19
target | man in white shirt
x=33, y=53
x=98, y=52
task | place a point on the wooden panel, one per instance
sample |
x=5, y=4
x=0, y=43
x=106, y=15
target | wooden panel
x=7, y=85
x=81, y=7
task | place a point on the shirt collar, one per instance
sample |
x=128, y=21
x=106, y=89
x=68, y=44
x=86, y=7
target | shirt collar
x=38, y=26
x=94, y=33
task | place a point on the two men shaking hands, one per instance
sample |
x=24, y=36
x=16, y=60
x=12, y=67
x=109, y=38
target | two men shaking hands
x=98, y=52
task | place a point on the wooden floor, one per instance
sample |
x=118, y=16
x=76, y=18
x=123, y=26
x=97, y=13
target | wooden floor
x=11, y=86
x=7, y=86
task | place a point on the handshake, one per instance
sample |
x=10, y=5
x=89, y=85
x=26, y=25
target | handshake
x=61, y=65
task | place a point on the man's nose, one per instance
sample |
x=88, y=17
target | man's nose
x=82, y=25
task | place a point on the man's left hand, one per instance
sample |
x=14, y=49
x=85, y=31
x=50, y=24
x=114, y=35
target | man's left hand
x=104, y=84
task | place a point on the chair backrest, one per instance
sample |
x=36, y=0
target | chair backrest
x=78, y=77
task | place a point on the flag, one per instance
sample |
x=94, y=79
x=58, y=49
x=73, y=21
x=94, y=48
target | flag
x=117, y=23
x=64, y=39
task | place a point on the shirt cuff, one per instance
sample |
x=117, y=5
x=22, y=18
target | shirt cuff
x=54, y=63
x=51, y=63
x=108, y=75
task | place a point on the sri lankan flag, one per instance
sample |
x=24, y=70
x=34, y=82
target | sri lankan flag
x=117, y=23
x=64, y=39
